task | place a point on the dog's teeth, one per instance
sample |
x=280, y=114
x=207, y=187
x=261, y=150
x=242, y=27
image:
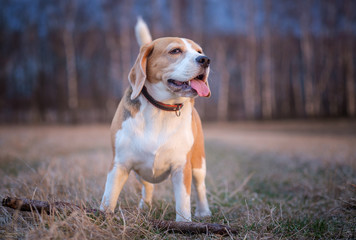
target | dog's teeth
x=188, y=83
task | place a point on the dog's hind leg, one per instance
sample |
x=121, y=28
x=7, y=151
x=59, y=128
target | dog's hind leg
x=147, y=193
x=199, y=169
x=199, y=184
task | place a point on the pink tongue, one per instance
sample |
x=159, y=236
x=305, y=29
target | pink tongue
x=200, y=87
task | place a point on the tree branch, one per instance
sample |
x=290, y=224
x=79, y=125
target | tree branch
x=24, y=204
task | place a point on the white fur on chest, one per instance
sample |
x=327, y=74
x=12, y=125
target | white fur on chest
x=155, y=142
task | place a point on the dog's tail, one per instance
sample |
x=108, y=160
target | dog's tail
x=143, y=35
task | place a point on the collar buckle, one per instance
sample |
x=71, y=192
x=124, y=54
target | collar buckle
x=178, y=110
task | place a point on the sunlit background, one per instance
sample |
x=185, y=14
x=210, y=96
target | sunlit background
x=68, y=61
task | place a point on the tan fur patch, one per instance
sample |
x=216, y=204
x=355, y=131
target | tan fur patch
x=187, y=174
x=138, y=73
x=197, y=151
x=160, y=60
x=195, y=46
x=127, y=108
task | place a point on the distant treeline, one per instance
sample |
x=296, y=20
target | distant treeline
x=68, y=61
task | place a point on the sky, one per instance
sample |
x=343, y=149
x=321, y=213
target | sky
x=219, y=16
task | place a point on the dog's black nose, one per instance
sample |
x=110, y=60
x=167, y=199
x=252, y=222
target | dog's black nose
x=204, y=61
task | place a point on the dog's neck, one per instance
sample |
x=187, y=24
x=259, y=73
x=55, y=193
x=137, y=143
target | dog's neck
x=165, y=107
x=152, y=112
x=159, y=92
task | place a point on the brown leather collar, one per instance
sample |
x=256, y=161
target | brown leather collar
x=166, y=107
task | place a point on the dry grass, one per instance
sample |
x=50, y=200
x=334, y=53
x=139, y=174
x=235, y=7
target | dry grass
x=285, y=180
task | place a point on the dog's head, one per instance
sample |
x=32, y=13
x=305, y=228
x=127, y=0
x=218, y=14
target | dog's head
x=171, y=68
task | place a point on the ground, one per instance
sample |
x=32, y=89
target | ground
x=288, y=180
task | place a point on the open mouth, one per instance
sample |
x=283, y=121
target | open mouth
x=186, y=83
x=198, y=85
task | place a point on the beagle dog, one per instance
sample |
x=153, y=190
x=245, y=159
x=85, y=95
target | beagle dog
x=156, y=131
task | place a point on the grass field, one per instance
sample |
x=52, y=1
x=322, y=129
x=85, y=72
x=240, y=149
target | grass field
x=279, y=180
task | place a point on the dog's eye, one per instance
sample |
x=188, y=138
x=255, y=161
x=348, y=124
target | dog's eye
x=200, y=52
x=175, y=51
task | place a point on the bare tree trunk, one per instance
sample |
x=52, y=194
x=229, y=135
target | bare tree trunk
x=156, y=20
x=249, y=89
x=307, y=55
x=197, y=31
x=297, y=90
x=251, y=86
x=350, y=82
x=349, y=58
x=114, y=68
x=308, y=79
x=326, y=59
x=125, y=44
x=334, y=95
x=268, y=95
x=176, y=9
x=324, y=80
x=282, y=71
x=69, y=49
x=223, y=101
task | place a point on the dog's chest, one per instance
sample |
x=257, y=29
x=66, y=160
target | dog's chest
x=155, y=144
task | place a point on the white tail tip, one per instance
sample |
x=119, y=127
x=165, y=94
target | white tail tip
x=143, y=35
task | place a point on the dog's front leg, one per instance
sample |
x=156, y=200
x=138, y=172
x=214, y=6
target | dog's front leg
x=114, y=183
x=182, y=179
x=147, y=193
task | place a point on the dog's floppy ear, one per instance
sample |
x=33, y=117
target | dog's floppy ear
x=137, y=74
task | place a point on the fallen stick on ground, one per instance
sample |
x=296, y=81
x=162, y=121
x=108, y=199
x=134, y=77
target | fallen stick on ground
x=192, y=227
x=24, y=204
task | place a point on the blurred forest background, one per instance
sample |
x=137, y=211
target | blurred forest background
x=67, y=61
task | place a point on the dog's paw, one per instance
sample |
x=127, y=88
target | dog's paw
x=105, y=209
x=180, y=218
x=144, y=205
x=201, y=213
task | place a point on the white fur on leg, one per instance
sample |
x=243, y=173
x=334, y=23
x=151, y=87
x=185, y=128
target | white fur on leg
x=115, y=181
x=199, y=183
x=147, y=193
x=182, y=198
